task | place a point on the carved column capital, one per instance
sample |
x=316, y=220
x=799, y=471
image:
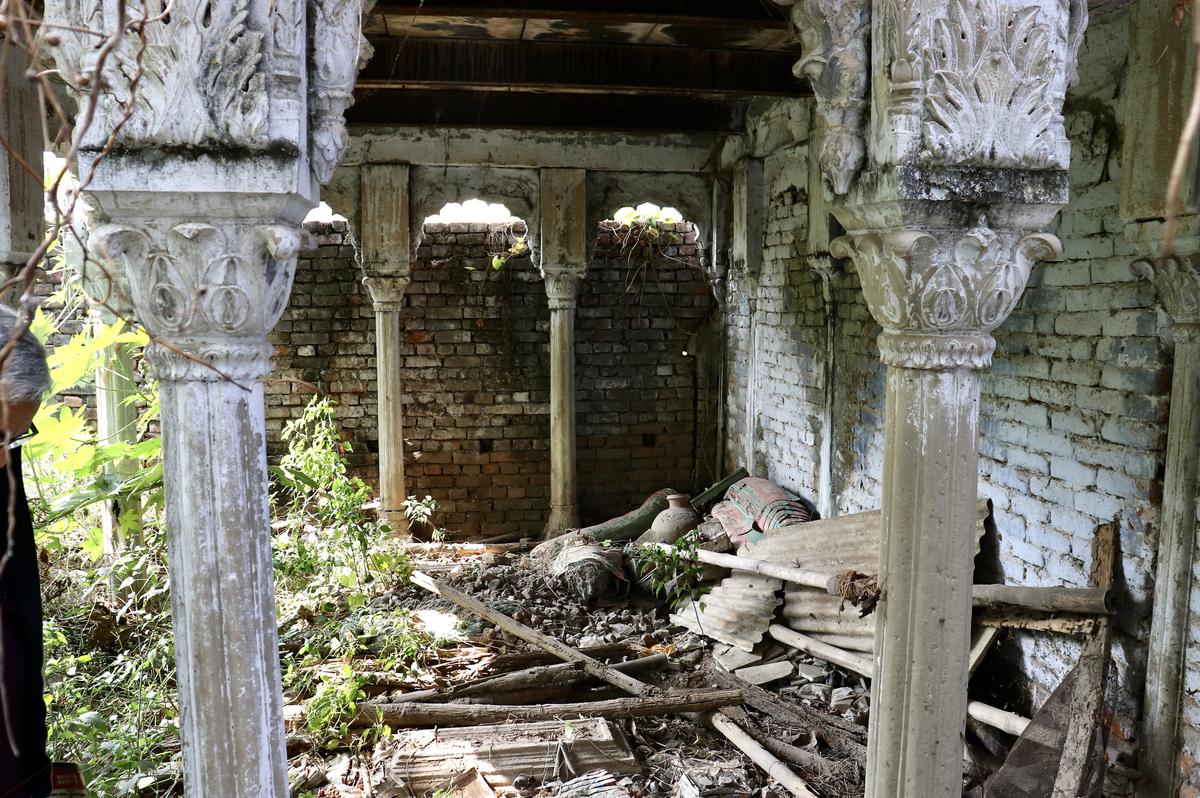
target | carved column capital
x=834, y=36
x=562, y=287
x=1177, y=280
x=339, y=52
x=976, y=82
x=939, y=294
x=208, y=294
x=387, y=290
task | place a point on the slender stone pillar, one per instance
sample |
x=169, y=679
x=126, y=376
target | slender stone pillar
x=387, y=296
x=562, y=290
x=564, y=253
x=213, y=167
x=937, y=295
x=1178, y=283
x=386, y=250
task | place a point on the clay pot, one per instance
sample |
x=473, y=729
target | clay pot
x=674, y=522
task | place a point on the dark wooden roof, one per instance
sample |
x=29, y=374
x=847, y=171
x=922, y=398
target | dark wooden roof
x=612, y=65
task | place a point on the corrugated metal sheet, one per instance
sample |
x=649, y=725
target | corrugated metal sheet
x=739, y=610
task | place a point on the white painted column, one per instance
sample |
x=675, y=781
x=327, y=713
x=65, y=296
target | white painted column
x=210, y=353
x=937, y=296
x=387, y=296
x=563, y=264
x=386, y=249
x=1178, y=283
x=942, y=196
x=204, y=191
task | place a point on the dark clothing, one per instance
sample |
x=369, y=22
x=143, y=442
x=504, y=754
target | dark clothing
x=25, y=772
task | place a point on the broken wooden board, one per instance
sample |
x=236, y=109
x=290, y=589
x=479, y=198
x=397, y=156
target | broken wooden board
x=765, y=674
x=426, y=759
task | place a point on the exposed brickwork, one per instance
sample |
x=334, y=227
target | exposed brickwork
x=637, y=393
x=477, y=380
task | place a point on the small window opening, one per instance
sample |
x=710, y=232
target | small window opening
x=473, y=211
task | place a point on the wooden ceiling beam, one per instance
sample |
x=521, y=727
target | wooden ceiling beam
x=705, y=12
x=579, y=68
x=546, y=111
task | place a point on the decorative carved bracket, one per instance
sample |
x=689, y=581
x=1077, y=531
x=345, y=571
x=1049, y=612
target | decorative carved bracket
x=209, y=295
x=834, y=59
x=339, y=52
x=1177, y=279
x=939, y=294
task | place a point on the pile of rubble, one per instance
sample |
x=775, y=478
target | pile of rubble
x=572, y=678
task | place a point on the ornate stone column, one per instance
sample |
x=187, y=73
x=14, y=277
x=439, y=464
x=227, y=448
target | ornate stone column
x=215, y=162
x=387, y=296
x=563, y=264
x=937, y=294
x=1178, y=283
x=386, y=250
x=967, y=157
x=562, y=288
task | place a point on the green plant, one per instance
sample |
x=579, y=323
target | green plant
x=323, y=534
x=673, y=572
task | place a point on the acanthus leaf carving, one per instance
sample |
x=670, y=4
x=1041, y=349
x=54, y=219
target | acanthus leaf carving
x=562, y=285
x=833, y=34
x=203, y=290
x=995, y=82
x=1177, y=280
x=939, y=294
x=191, y=77
x=338, y=52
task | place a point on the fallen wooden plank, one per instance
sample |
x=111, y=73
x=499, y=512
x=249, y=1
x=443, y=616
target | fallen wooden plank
x=556, y=647
x=425, y=759
x=563, y=674
x=775, y=768
x=415, y=714
x=1076, y=775
x=981, y=643
x=1008, y=619
x=720, y=723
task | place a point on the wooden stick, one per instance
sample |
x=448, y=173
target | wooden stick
x=997, y=718
x=411, y=714
x=1085, y=601
x=559, y=649
x=775, y=769
x=564, y=674
x=1001, y=619
x=854, y=662
x=1088, y=601
x=798, y=576
x=722, y=724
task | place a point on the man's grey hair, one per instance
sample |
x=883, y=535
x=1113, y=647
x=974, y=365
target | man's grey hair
x=24, y=375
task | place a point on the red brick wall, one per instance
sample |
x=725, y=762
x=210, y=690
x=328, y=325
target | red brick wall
x=477, y=372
